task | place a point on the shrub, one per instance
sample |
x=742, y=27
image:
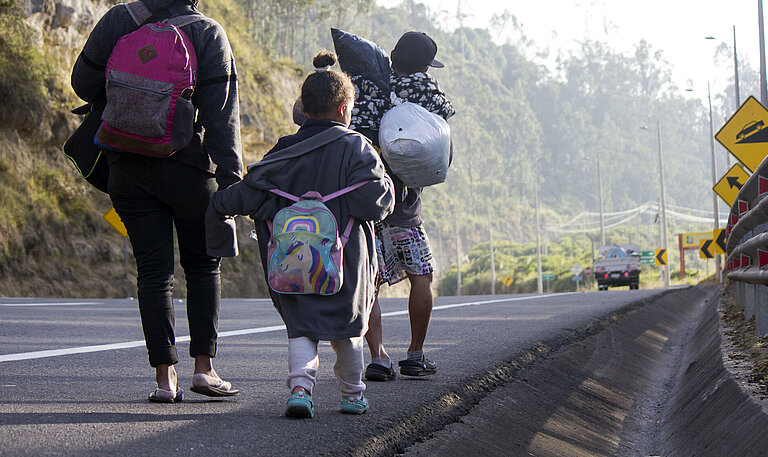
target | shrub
x=22, y=71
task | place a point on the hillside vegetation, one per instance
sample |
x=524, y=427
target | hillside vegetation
x=53, y=240
x=519, y=125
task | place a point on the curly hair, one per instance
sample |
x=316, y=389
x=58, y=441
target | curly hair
x=324, y=89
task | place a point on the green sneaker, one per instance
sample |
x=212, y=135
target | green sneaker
x=299, y=405
x=352, y=405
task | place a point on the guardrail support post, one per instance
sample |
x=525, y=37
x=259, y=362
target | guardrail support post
x=738, y=294
x=749, y=301
x=761, y=319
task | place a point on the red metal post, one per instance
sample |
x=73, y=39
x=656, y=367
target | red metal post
x=682, y=255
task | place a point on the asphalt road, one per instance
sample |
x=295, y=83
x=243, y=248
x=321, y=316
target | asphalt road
x=74, y=376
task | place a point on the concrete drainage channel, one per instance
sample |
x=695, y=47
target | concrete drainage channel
x=647, y=382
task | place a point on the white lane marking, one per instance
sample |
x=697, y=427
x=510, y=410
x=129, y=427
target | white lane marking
x=476, y=303
x=71, y=303
x=247, y=331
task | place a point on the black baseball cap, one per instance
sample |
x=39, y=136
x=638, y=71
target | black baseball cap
x=417, y=48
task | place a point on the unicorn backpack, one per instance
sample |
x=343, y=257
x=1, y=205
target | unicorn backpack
x=305, y=251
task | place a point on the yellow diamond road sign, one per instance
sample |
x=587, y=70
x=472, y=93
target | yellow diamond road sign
x=745, y=134
x=731, y=183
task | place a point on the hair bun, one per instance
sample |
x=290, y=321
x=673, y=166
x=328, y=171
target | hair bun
x=324, y=58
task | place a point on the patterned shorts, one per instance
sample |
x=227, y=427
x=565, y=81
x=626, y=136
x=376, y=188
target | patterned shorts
x=402, y=250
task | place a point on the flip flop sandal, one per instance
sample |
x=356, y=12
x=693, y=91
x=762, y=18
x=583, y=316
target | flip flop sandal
x=222, y=389
x=166, y=396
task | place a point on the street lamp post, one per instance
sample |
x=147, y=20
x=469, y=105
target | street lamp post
x=761, y=33
x=663, y=206
x=714, y=179
x=736, y=70
x=736, y=84
x=663, y=225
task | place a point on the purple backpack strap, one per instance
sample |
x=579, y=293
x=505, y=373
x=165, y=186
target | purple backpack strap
x=351, y=221
x=284, y=194
x=347, y=231
x=344, y=190
x=311, y=194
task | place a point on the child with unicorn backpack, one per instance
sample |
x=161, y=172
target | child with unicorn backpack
x=314, y=198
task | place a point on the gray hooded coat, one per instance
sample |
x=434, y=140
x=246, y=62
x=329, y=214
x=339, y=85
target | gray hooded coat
x=329, y=166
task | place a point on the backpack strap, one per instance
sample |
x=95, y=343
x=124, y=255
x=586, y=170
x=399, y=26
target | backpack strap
x=184, y=20
x=138, y=11
x=347, y=231
x=302, y=147
x=284, y=194
x=316, y=196
x=140, y=14
x=345, y=190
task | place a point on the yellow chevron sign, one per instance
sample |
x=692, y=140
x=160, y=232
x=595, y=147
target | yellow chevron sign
x=706, y=249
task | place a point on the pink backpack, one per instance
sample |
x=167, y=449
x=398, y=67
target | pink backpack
x=151, y=76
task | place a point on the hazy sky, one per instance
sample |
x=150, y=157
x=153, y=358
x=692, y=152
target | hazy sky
x=677, y=27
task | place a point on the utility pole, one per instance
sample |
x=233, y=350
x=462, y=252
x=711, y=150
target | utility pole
x=458, y=255
x=600, y=200
x=663, y=206
x=539, y=285
x=490, y=237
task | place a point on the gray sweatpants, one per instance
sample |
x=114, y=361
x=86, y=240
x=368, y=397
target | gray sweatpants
x=303, y=362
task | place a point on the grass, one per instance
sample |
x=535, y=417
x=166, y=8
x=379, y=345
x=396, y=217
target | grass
x=749, y=346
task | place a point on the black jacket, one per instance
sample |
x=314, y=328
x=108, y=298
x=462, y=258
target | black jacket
x=215, y=147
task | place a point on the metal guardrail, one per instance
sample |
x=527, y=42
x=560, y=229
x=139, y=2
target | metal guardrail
x=747, y=235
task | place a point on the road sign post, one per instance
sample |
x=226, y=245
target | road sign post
x=690, y=242
x=548, y=277
x=576, y=278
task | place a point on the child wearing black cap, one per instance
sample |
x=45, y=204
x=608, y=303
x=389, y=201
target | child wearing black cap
x=402, y=243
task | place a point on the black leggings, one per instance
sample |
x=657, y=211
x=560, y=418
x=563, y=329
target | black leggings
x=152, y=196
